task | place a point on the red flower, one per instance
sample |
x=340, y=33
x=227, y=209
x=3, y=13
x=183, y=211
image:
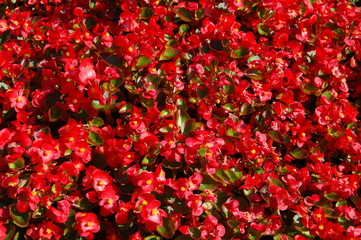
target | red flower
x=212, y=229
x=87, y=224
x=87, y=71
x=3, y=231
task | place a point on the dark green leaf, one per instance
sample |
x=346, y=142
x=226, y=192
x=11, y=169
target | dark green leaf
x=55, y=113
x=168, y=229
x=309, y=88
x=19, y=219
x=146, y=13
x=188, y=126
x=246, y=109
x=83, y=204
x=184, y=14
x=276, y=136
x=217, y=45
x=299, y=153
x=171, y=164
x=202, y=91
x=10, y=231
x=5, y=37
x=199, y=13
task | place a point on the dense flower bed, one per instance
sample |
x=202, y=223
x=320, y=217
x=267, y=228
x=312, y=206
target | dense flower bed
x=209, y=119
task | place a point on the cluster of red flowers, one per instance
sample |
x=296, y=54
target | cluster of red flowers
x=154, y=119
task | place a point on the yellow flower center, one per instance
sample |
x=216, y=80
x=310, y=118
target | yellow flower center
x=82, y=150
x=47, y=152
x=48, y=231
x=70, y=139
x=90, y=224
x=253, y=151
x=19, y=99
x=183, y=189
x=149, y=182
x=155, y=211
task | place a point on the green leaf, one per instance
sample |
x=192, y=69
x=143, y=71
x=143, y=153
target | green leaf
x=115, y=83
x=148, y=160
x=184, y=14
x=17, y=164
x=208, y=183
x=233, y=174
x=262, y=29
x=228, y=89
x=332, y=196
x=153, y=237
x=97, y=122
x=276, y=136
x=19, y=219
x=181, y=104
x=181, y=117
x=253, y=58
x=168, y=53
x=254, y=74
x=183, y=29
x=299, y=153
x=143, y=61
x=187, y=126
x=168, y=228
x=54, y=113
x=92, y=4
x=229, y=107
x=328, y=95
x=95, y=138
x=240, y=52
x=165, y=113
